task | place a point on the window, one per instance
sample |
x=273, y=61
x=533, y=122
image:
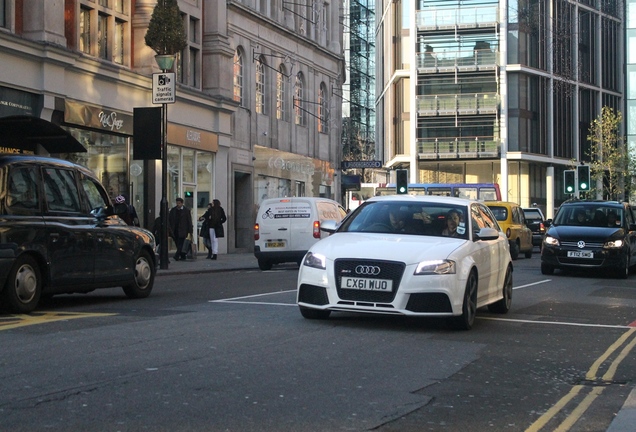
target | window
x=85, y=31
x=92, y=190
x=3, y=14
x=103, y=29
x=102, y=36
x=22, y=191
x=323, y=109
x=299, y=104
x=60, y=190
x=238, y=76
x=281, y=107
x=260, y=86
x=188, y=60
x=118, y=45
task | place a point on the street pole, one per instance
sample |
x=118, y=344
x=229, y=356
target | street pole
x=166, y=87
x=163, y=255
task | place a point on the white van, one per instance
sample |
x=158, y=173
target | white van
x=286, y=228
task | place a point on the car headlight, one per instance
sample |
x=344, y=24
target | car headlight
x=614, y=244
x=551, y=241
x=315, y=260
x=435, y=267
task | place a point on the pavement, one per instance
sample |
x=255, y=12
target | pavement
x=625, y=420
x=224, y=262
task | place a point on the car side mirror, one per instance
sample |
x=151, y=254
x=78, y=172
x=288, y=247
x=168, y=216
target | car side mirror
x=632, y=227
x=547, y=223
x=329, y=226
x=487, y=234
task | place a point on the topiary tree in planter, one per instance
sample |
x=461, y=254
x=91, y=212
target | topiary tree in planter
x=166, y=34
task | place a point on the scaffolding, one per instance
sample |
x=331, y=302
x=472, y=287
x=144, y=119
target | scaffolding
x=358, y=110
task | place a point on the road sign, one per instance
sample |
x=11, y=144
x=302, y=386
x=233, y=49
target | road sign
x=163, y=88
x=360, y=164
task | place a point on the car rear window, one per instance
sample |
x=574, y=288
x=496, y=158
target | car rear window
x=501, y=213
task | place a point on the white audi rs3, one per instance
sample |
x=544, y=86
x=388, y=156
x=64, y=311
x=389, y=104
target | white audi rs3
x=409, y=255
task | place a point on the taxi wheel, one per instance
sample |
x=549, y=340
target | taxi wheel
x=469, y=308
x=264, y=264
x=529, y=252
x=503, y=306
x=314, y=313
x=143, y=278
x=514, y=250
x=23, y=287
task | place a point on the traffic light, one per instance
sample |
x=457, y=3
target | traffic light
x=402, y=181
x=189, y=194
x=583, y=172
x=569, y=182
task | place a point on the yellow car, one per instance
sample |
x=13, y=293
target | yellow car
x=512, y=221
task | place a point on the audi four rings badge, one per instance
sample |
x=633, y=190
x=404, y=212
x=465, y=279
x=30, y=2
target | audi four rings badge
x=367, y=270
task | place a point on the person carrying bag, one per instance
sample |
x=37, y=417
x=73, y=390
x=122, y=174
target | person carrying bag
x=215, y=218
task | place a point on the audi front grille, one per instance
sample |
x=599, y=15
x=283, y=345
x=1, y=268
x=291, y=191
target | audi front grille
x=369, y=269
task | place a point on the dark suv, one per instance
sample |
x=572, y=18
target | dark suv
x=59, y=233
x=590, y=234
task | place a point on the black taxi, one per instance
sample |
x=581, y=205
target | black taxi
x=60, y=233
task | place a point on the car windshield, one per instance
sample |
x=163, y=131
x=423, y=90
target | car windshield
x=427, y=219
x=592, y=216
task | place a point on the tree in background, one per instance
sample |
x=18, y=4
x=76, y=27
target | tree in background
x=166, y=33
x=610, y=160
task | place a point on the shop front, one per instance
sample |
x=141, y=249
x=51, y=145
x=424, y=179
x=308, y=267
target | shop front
x=281, y=174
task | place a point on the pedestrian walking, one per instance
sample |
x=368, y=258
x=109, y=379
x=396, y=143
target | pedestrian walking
x=214, y=218
x=180, y=226
x=130, y=216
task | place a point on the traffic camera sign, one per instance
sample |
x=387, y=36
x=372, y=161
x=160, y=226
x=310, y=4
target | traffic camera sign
x=163, y=88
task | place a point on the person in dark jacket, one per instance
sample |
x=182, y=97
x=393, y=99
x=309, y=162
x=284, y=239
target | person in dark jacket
x=214, y=218
x=180, y=227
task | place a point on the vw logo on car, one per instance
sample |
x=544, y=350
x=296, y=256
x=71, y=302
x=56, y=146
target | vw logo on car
x=581, y=244
x=367, y=270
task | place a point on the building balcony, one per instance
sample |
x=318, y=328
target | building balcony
x=459, y=104
x=460, y=61
x=457, y=18
x=477, y=148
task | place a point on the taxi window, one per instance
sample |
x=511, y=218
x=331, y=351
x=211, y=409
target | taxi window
x=60, y=190
x=95, y=198
x=22, y=191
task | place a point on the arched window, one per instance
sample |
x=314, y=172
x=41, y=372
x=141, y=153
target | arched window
x=260, y=86
x=299, y=103
x=238, y=76
x=281, y=106
x=323, y=109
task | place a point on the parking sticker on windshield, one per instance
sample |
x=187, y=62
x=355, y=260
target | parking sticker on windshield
x=461, y=228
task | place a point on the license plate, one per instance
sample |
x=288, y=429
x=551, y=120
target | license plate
x=385, y=285
x=275, y=244
x=580, y=254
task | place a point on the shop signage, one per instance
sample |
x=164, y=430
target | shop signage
x=360, y=164
x=98, y=118
x=191, y=137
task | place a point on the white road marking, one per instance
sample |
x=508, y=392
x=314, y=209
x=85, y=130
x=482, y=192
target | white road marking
x=532, y=284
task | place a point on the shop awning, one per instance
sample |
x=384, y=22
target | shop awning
x=23, y=133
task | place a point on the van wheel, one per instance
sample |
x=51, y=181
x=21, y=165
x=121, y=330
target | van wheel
x=264, y=264
x=23, y=288
x=144, y=277
x=529, y=252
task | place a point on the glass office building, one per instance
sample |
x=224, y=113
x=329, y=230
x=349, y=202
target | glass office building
x=496, y=91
